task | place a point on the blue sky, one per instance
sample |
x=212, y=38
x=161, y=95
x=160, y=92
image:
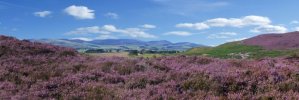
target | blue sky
x=209, y=22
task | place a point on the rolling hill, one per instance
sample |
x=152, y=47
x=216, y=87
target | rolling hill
x=123, y=44
x=266, y=45
x=275, y=41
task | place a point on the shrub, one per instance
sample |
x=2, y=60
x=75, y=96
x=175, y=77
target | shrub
x=140, y=84
x=133, y=53
x=114, y=80
x=79, y=67
x=199, y=83
x=68, y=53
x=100, y=93
x=106, y=67
x=3, y=50
x=124, y=70
x=161, y=68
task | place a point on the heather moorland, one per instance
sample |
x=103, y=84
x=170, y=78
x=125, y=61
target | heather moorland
x=41, y=71
x=149, y=50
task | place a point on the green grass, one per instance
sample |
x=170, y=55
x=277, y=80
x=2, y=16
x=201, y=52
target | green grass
x=225, y=51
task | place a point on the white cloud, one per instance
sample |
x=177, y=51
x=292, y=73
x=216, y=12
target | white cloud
x=222, y=35
x=296, y=28
x=228, y=33
x=269, y=29
x=262, y=24
x=238, y=22
x=101, y=37
x=107, y=29
x=197, y=26
x=80, y=12
x=237, y=39
x=110, y=28
x=251, y=20
x=294, y=22
x=82, y=38
x=42, y=13
x=179, y=33
x=136, y=32
x=256, y=20
x=148, y=26
x=217, y=36
x=112, y=15
x=88, y=30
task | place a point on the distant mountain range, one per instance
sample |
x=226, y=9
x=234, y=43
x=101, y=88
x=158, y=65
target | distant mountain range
x=123, y=44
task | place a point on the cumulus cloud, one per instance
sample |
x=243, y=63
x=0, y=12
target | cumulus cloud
x=82, y=38
x=222, y=35
x=112, y=15
x=148, y=26
x=80, y=12
x=228, y=33
x=269, y=29
x=261, y=24
x=88, y=30
x=217, y=36
x=197, y=26
x=42, y=13
x=136, y=32
x=110, y=28
x=237, y=39
x=107, y=29
x=238, y=22
x=296, y=28
x=179, y=33
x=251, y=20
x=294, y=22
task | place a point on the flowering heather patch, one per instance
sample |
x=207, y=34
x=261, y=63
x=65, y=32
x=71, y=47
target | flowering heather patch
x=39, y=71
x=275, y=41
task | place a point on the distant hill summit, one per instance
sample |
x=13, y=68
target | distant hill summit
x=122, y=44
x=275, y=41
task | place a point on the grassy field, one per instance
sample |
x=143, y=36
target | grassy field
x=235, y=49
x=121, y=54
x=124, y=54
x=225, y=51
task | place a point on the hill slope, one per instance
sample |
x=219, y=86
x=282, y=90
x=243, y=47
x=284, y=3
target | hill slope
x=237, y=50
x=10, y=46
x=275, y=41
x=266, y=45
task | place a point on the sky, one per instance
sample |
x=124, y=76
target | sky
x=208, y=22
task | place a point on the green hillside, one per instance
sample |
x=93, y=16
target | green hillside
x=238, y=50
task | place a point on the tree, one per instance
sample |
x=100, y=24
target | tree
x=133, y=52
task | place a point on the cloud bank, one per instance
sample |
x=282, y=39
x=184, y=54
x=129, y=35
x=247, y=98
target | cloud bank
x=106, y=30
x=262, y=24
